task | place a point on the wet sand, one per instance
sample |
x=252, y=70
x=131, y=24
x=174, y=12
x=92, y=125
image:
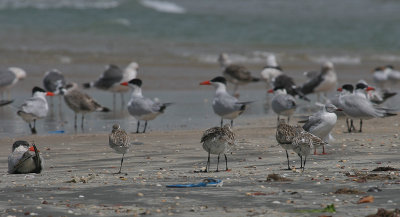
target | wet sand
x=79, y=180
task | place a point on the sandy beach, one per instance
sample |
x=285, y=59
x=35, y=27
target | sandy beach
x=78, y=178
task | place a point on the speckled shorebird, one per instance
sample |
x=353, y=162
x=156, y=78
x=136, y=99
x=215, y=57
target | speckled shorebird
x=303, y=143
x=120, y=142
x=80, y=102
x=21, y=160
x=284, y=136
x=218, y=140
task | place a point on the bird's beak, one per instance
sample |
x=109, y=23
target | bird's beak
x=370, y=88
x=31, y=148
x=339, y=109
x=49, y=94
x=340, y=89
x=270, y=91
x=205, y=83
x=124, y=83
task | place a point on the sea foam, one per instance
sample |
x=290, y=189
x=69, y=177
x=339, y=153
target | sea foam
x=163, y=6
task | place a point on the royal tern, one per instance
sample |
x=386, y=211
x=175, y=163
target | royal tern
x=80, y=102
x=225, y=105
x=22, y=160
x=119, y=141
x=35, y=107
x=141, y=108
x=377, y=96
x=218, y=140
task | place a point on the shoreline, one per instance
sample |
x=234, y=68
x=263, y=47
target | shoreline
x=160, y=158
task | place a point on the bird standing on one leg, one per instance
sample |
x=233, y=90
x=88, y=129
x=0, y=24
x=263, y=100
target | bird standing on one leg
x=120, y=142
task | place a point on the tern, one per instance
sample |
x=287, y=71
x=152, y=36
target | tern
x=225, y=105
x=140, y=107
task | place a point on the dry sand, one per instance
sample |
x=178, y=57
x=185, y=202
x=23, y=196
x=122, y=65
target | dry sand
x=158, y=159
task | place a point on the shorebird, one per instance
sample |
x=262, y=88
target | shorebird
x=303, y=142
x=323, y=82
x=112, y=77
x=218, y=140
x=119, y=141
x=236, y=74
x=282, y=103
x=8, y=78
x=225, y=105
x=271, y=70
x=21, y=160
x=80, y=102
x=53, y=81
x=356, y=106
x=141, y=108
x=35, y=107
x=284, y=136
x=321, y=123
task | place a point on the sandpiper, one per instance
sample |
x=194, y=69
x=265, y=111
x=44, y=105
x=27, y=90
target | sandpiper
x=120, y=142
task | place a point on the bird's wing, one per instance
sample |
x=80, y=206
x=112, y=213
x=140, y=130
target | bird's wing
x=21, y=161
x=112, y=75
x=6, y=78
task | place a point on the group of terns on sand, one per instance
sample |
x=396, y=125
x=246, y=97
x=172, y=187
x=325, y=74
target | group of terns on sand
x=359, y=102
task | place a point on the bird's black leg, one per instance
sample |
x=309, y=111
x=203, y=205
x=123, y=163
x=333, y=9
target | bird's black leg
x=288, y=119
x=83, y=120
x=217, y=164
x=226, y=163
x=122, y=160
x=222, y=121
x=208, y=163
x=304, y=165
x=232, y=123
x=145, y=126
x=353, y=128
x=138, y=125
x=301, y=161
x=348, y=126
x=287, y=157
x=33, y=130
x=360, y=126
x=75, y=124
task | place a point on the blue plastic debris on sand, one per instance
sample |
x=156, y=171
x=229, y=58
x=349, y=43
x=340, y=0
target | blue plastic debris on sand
x=209, y=182
x=57, y=131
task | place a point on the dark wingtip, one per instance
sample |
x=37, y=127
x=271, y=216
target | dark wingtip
x=255, y=79
x=86, y=85
x=105, y=109
x=390, y=114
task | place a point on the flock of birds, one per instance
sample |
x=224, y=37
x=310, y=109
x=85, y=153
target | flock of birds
x=359, y=102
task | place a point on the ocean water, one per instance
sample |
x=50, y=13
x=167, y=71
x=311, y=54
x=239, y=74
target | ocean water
x=177, y=42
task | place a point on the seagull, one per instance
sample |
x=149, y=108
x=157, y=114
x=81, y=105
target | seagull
x=35, y=107
x=8, y=78
x=236, y=74
x=80, y=102
x=324, y=82
x=112, y=77
x=119, y=141
x=141, y=108
x=380, y=76
x=218, y=140
x=356, y=106
x=303, y=142
x=22, y=161
x=271, y=70
x=225, y=105
x=282, y=103
x=284, y=136
x=53, y=81
x=321, y=123
x=287, y=82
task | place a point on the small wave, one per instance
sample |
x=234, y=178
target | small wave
x=386, y=58
x=51, y=4
x=121, y=21
x=163, y=6
x=348, y=60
